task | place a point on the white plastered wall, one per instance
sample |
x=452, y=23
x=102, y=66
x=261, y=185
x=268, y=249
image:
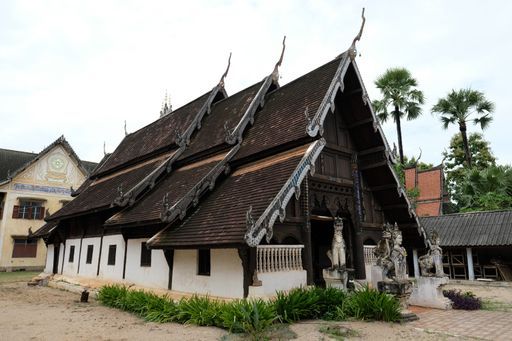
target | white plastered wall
x=61, y=257
x=70, y=269
x=278, y=281
x=112, y=272
x=89, y=270
x=154, y=276
x=226, y=273
x=49, y=260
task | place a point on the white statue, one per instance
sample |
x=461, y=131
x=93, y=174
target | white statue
x=337, y=252
x=433, y=259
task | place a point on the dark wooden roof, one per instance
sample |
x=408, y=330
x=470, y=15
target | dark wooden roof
x=45, y=230
x=101, y=193
x=156, y=136
x=175, y=185
x=221, y=218
x=491, y=228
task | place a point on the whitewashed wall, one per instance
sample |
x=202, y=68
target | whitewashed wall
x=70, y=269
x=226, y=273
x=278, y=281
x=89, y=270
x=154, y=276
x=61, y=258
x=49, y=259
x=113, y=272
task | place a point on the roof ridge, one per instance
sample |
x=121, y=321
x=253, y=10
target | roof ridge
x=467, y=213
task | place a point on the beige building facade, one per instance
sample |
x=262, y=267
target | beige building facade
x=33, y=186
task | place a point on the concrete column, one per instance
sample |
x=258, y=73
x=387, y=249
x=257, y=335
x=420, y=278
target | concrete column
x=415, y=263
x=471, y=272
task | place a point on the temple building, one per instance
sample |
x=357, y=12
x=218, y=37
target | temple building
x=236, y=195
x=33, y=186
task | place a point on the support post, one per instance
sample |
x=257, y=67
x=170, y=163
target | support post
x=169, y=257
x=307, y=253
x=471, y=269
x=415, y=263
x=360, y=272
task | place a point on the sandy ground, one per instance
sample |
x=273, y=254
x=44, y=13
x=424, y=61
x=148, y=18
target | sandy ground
x=43, y=313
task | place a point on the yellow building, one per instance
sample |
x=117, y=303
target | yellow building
x=33, y=186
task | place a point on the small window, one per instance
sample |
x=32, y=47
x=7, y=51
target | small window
x=28, y=210
x=90, y=249
x=145, y=255
x=111, y=255
x=203, y=262
x=71, y=254
x=24, y=248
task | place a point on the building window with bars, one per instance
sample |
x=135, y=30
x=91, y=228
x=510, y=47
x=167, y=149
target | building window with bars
x=28, y=209
x=24, y=248
x=203, y=262
x=112, y=255
x=90, y=250
x=145, y=255
x=71, y=258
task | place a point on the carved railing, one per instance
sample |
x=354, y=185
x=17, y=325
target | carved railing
x=369, y=256
x=235, y=135
x=256, y=230
x=316, y=123
x=274, y=258
x=182, y=140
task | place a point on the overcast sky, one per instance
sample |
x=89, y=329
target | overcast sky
x=81, y=68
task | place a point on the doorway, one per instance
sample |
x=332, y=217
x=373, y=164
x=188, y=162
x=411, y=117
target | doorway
x=56, y=249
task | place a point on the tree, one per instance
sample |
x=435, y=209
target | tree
x=462, y=106
x=487, y=189
x=399, y=92
x=454, y=159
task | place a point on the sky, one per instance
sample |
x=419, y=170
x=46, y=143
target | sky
x=82, y=68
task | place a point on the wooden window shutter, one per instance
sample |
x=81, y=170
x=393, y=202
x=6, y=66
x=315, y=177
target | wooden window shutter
x=16, y=212
x=39, y=212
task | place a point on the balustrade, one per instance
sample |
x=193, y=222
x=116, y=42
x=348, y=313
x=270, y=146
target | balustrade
x=273, y=258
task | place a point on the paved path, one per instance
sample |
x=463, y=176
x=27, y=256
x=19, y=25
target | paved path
x=483, y=324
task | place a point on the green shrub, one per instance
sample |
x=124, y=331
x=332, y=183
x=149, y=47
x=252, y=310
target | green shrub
x=112, y=295
x=330, y=300
x=201, y=311
x=297, y=304
x=370, y=304
x=247, y=316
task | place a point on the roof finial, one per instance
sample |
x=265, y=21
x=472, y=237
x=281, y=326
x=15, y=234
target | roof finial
x=352, y=51
x=125, y=132
x=104, y=148
x=166, y=105
x=221, y=82
x=275, y=73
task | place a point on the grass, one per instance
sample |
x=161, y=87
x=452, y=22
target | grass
x=17, y=276
x=492, y=305
x=338, y=333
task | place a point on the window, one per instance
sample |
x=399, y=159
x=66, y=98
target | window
x=71, y=254
x=145, y=255
x=90, y=249
x=28, y=209
x=24, y=248
x=203, y=262
x=111, y=255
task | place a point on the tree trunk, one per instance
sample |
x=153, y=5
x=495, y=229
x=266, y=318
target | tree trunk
x=462, y=127
x=399, y=133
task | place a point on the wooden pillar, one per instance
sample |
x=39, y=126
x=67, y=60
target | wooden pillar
x=307, y=253
x=415, y=263
x=248, y=257
x=360, y=271
x=125, y=253
x=471, y=269
x=169, y=257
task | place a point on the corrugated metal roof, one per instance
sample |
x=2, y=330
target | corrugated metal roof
x=491, y=228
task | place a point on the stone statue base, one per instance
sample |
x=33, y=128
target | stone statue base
x=428, y=293
x=336, y=278
x=377, y=275
x=402, y=291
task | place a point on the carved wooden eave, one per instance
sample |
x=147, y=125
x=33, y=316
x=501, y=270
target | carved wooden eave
x=315, y=124
x=235, y=135
x=263, y=226
x=390, y=159
x=207, y=183
x=182, y=140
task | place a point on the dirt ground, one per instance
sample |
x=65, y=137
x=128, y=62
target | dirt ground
x=43, y=313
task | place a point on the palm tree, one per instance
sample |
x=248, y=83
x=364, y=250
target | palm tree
x=399, y=92
x=459, y=107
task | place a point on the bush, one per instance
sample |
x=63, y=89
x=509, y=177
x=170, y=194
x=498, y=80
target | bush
x=247, y=316
x=370, y=304
x=297, y=304
x=330, y=300
x=464, y=301
x=112, y=295
x=201, y=311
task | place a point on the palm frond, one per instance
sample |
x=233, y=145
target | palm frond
x=447, y=120
x=483, y=121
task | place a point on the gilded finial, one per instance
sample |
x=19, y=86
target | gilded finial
x=275, y=73
x=221, y=82
x=352, y=51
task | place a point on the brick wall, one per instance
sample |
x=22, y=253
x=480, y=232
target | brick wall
x=430, y=186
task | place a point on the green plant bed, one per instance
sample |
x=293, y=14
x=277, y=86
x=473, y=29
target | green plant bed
x=254, y=317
